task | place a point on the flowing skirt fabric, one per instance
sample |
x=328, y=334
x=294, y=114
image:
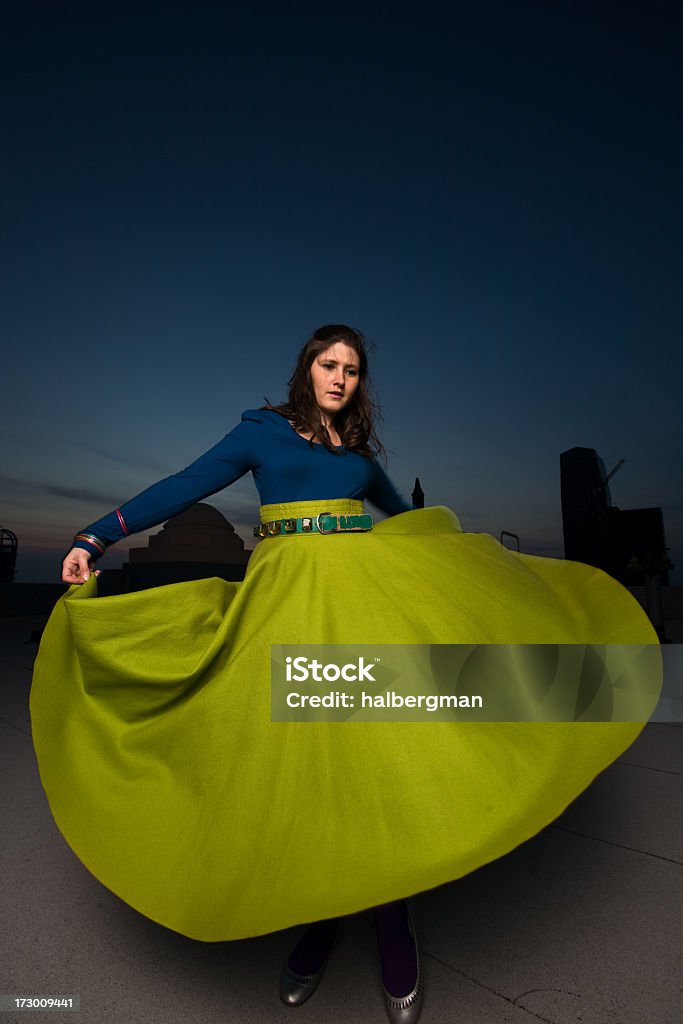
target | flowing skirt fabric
x=152, y=727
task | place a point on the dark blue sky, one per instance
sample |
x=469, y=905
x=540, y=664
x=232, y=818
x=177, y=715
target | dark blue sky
x=493, y=196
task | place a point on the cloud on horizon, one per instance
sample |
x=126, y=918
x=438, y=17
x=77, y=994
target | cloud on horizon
x=81, y=494
x=21, y=492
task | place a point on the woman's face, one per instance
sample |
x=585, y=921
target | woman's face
x=335, y=376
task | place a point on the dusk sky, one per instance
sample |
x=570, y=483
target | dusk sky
x=491, y=192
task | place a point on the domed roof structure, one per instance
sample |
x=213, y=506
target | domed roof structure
x=200, y=534
x=200, y=515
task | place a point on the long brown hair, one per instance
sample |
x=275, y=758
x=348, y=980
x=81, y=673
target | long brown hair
x=356, y=423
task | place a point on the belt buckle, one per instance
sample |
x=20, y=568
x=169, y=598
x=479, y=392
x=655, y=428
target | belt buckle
x=332, y=516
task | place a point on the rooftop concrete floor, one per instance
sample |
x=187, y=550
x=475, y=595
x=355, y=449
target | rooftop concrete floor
x=582, y=924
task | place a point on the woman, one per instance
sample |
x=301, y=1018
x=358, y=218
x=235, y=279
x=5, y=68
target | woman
x=218, y=818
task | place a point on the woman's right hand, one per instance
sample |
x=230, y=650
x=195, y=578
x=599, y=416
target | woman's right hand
x=77, y=566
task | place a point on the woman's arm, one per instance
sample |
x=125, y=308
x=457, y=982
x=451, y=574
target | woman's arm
x=384, y=495
x=226, y=462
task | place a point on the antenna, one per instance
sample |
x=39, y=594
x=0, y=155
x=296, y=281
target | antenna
x=619, y=464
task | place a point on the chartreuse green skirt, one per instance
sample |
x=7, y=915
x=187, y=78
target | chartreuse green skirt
x=170, y=779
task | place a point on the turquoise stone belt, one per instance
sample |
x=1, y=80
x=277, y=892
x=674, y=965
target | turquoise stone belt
x=326, y=522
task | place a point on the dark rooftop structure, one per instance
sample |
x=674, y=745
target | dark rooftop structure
x=599, y=533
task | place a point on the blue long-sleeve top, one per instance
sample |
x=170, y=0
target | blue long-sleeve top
x=286, y=467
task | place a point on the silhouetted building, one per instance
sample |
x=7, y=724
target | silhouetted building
x=8, y=555
x=639, y=532
x=585, y=499
x=196, y=544
x=596, y=531
x=418, y=495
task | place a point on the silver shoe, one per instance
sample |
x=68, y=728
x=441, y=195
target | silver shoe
x=406, y=1009
x=295, y=989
